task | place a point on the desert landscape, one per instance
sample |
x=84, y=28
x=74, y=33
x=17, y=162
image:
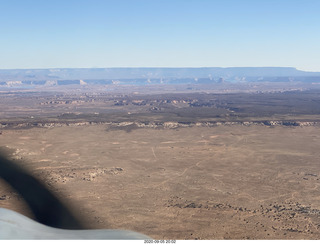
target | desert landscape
x=173, y=166
x=160, y=120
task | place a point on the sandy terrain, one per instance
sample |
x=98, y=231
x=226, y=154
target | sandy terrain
x=223, y=182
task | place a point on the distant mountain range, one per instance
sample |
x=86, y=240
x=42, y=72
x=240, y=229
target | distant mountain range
x=82, y=76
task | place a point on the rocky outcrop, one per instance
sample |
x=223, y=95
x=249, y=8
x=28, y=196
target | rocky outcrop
x=164, y=125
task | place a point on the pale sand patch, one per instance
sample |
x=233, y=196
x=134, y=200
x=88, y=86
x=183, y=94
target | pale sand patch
x=24, y=137
x=74, y=154
x=139, y=142
x=44, y=160
x=170, y=142
x=214, y=136
x=203, y=141
x=58, y=167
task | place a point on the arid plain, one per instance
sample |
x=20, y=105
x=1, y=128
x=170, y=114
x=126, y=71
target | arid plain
x=174, y=180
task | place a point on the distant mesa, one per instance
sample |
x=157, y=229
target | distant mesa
x=147, y=76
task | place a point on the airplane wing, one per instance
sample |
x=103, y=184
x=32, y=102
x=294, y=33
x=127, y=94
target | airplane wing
x=15, y=226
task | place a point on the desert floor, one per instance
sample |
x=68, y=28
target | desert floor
x=223, y=182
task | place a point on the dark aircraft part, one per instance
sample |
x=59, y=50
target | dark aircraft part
x=45, y=206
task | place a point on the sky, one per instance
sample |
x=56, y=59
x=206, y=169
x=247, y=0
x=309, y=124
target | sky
x=159, y=33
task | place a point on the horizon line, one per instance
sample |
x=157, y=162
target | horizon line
x=156, y=67
x=164, y=67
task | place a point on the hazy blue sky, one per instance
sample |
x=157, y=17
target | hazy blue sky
x=159, y=33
